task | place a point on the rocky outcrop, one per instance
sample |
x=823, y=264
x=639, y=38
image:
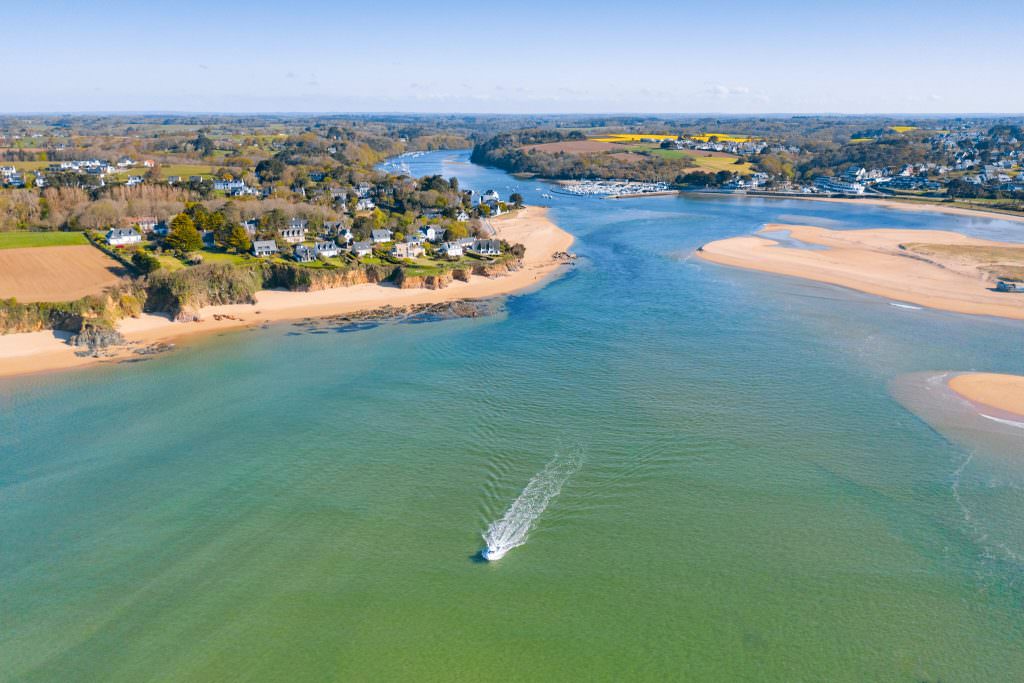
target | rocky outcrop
x=95, y=339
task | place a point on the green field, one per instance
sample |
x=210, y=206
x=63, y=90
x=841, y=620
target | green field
x=711, y=164
x=24, y=238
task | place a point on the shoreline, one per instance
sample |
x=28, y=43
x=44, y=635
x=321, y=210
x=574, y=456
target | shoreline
x=888, y=203
x=987, y=390
x=45, y=351
x=871, y=261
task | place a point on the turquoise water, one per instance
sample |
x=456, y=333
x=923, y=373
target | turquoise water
x=752, y=502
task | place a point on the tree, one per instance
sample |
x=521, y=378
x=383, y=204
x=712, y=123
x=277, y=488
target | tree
x=145, y=262
x=516, y=199
x=183, y=235
x=203, y=144
x=270, y=170
x=238, y=239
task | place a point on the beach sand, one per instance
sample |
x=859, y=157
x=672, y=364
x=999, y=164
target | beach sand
x=913, y=205
x=45, y=351
x=1002, y=392
x=871, y=261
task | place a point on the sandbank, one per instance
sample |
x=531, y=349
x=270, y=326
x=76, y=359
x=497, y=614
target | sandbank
x=872, y=261
x=1002, y=392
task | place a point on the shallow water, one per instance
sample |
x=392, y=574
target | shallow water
x=755, y=504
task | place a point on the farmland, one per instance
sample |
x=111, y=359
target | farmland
x=55, y=273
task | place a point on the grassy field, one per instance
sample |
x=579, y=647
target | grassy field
x=186, y=170
x=902, y=129
x=1004, y=263
x=26, y=165
x=632, y=137
x=21, y=239
x=710, y=164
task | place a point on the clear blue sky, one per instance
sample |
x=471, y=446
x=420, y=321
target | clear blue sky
x=901, y=56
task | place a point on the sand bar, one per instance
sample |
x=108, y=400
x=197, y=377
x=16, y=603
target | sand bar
x=43, y=351
x=871, y=261
x=1002, y=392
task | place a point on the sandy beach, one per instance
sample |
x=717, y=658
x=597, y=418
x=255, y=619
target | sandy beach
x=912, y=205
x=872, y=261
x=45, y=351
x=1002, y=392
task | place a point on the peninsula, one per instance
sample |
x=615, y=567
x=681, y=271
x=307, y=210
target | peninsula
x=543, y=241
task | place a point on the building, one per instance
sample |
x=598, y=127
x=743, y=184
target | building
x=229, y=185
x=414, y=238
x=144, y=223
x=833, y=184
x=327, y=249
x=304, y=254
x=120, y=237
x=250, y=227
x=487, y=247
x=407, y=250
x=462, y=216
x=365, y=204
x=451, y=249
x=362, y=248
x=380, y=236
x=295, y=232
x=432, y=233
x=264, y=248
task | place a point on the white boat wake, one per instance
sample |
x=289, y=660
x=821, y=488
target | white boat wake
x=907, y=306
x=513, y=528
x=1011, y=423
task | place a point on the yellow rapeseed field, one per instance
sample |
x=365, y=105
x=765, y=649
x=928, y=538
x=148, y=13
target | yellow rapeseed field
x=703, y=137
x=723, y=137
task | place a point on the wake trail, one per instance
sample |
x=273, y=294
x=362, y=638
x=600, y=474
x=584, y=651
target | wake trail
x=512, y=530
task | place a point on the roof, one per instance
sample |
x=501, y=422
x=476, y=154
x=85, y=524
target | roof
x=380, y=234
x=260, y=245
x=123, y=232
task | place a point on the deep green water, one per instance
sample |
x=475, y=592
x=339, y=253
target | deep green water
x=293, y=504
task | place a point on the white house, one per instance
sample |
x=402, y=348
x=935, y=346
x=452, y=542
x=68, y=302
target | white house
x=264, y=248
x=490, y=196
x=380, y=236
x=487, y=247
x=462, y=217
x=327, y=249
x=365, y=204
x=451, y=249
x=119, y=237
x=432, y=233
x=362, y=248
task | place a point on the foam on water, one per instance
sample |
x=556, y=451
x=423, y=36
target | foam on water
x=1011, y=423
x=512, y=529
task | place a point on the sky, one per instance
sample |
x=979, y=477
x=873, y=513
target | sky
x=737, y=57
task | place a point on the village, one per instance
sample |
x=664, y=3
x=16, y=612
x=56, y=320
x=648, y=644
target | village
x=327, y=244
